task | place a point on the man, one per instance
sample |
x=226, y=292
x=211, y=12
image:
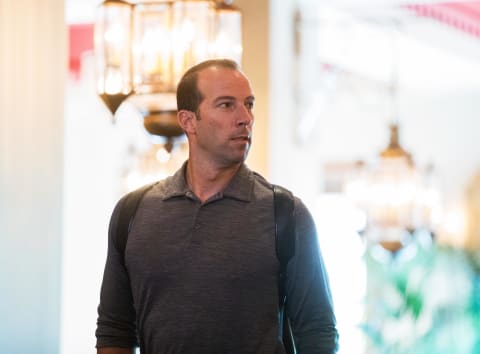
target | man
x=200, y=272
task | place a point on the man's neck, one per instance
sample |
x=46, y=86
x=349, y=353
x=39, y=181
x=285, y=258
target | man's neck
x=205, y=180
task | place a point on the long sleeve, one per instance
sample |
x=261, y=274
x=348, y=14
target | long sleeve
x=116, y=313
x=309, y=301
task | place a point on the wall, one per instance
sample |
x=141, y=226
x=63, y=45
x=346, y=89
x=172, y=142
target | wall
x=32, y=63
x=345, y=111
x=255, y=63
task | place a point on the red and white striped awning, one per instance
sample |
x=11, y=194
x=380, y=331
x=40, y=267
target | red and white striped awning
x=464, y=16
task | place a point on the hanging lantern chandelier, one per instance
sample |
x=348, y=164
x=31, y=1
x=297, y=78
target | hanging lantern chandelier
x=392, y=193
x=143, y=48
x=396, y=195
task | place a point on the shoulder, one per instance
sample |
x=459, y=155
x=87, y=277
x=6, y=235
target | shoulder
x=303, y=217
x=150, y=189
x=262, y=183
x=171, y=186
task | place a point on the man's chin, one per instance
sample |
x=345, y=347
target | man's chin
x=240, y=158
x=245, y=154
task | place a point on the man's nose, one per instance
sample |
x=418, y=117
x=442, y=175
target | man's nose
x=245, y=116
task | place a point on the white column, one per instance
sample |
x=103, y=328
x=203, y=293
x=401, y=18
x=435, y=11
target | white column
x=32, y=72
x=255, y=64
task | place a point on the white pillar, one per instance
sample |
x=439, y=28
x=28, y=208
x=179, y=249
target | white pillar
x=255, y=64
x=32, y=73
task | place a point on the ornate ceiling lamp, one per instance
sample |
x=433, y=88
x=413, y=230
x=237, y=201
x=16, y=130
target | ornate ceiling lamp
x=393, y=185
x=396, y=195
x=143, y=48
x=113, y=47
x=392, y=191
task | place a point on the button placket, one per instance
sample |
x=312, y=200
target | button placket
x=196, y=223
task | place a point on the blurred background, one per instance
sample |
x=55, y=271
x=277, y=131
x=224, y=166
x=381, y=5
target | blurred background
x=366, y=109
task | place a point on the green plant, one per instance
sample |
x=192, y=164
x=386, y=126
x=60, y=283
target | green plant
x=423, y=300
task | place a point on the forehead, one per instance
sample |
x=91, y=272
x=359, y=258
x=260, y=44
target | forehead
x=219, y=81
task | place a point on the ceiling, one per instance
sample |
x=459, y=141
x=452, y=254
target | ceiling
x=451, y=25
x=460, y=15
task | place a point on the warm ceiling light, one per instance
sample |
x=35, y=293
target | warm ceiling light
x=396, y=196
x=113, y=43
x=143, y=48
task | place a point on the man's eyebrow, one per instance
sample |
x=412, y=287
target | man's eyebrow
x=221, y=98
x=232, y=98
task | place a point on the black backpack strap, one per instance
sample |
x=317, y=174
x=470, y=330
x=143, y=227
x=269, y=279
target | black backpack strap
x=285, y=248
x=284, y=232
x=127, y=212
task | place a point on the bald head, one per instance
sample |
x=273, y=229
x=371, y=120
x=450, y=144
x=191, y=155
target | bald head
x=189, y=96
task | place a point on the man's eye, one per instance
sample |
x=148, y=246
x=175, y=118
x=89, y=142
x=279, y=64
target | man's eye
x=225, y=105
x=249, y=105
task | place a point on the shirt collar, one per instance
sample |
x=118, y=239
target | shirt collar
x=176, y=185
x=240, y=187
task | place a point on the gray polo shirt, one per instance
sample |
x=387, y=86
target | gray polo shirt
x=203, y=277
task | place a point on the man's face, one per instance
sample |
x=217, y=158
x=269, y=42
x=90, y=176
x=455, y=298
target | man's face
x=223, y=128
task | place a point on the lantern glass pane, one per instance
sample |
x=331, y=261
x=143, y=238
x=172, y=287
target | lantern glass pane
x=192, y=32
x=153, y=48
x=227, y=41
x=112, y=47
x=393, y=187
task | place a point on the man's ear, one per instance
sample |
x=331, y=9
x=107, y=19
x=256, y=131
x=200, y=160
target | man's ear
x=186, y=120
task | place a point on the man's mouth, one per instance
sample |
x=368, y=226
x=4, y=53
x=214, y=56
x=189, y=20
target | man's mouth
x=245, y=138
